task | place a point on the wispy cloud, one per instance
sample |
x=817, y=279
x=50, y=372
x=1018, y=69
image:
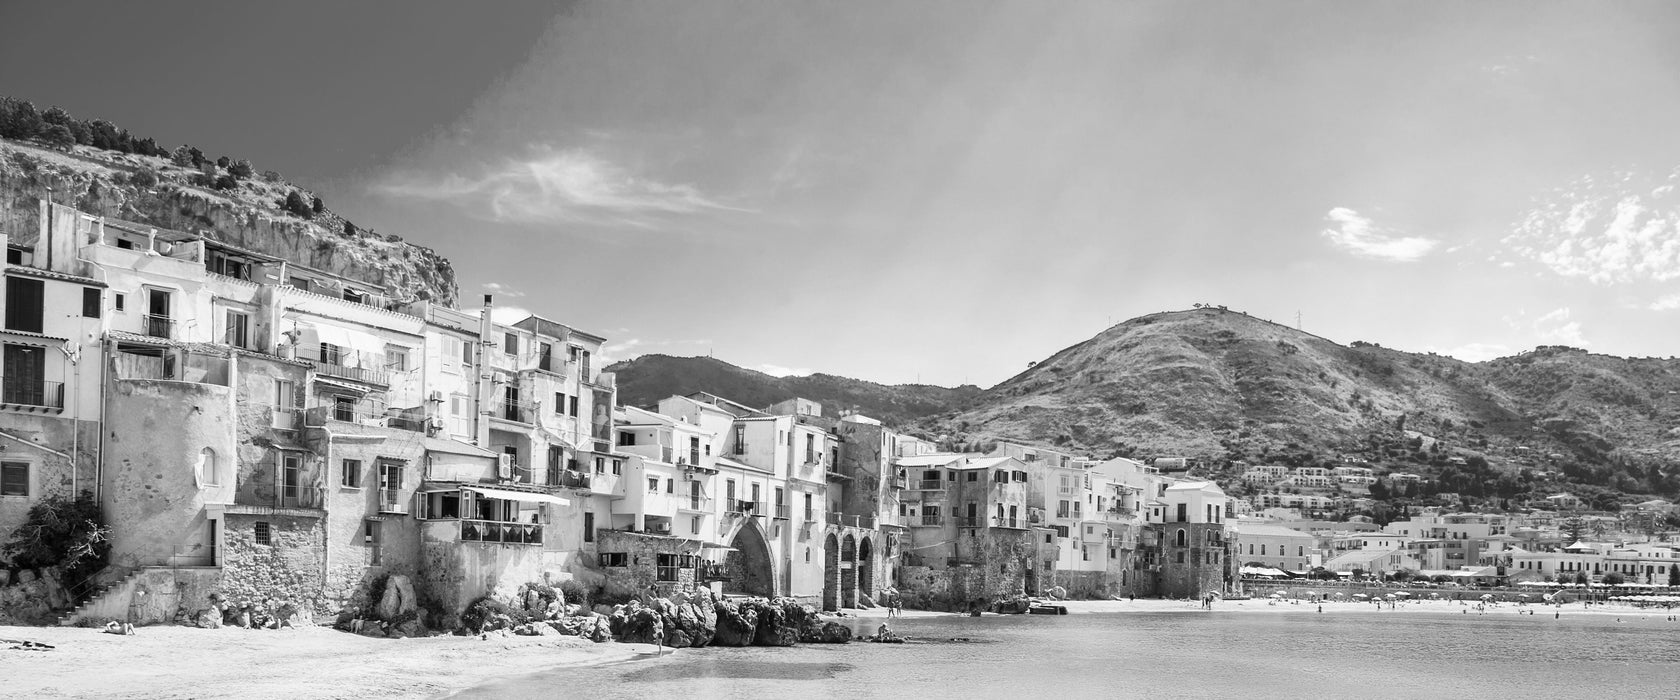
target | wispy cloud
x=502, y=290
x=633, y=347
x=1609, y=231
x=558, y=186
x=1557, y=327
x=505, y=315
x=1666, y=303
x=1361, y=236
x=780, y=371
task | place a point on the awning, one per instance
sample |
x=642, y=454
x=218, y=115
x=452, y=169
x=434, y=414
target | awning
x=524, y=496
x=714, y=545
x=339, y=384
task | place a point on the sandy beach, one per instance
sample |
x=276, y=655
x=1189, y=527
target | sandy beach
x=318, y=662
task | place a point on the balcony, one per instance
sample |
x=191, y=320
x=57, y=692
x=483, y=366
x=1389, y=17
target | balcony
x=899, y=482
x=319, y=415
x=737, y=505
x=357, y=374
x=31, y=393
x=971, y=521
x=699, y=504
x=930, y=521
x=780, y=511
x=866, y=522
x=566, y=478
x=521, y=473
x=285, y=418
x=1119, y=514
x=1016, y=523
x=929, y=485
x=159, y=326
x=501, y=532
x=516, y=411
x=391, y=501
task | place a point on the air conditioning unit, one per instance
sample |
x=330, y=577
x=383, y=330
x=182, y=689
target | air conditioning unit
x=436, y=396
x=504, y=466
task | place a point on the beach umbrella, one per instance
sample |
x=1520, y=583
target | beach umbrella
x=1487, y=596
x=1522, y=595
x=1402, y=593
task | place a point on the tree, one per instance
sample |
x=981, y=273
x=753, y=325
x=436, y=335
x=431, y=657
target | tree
x=68, y=533
x=1573, y=530
x=1614, y=579
x=21, y=120
x=58, y=136
x=240, y=169
x=145, y=178
x=1581, y=577
x=56, y=116
x=317, y=206
x=224, y=162
x=1379, y=490
x=294, y=203
x=181, y=156
x=226, y=182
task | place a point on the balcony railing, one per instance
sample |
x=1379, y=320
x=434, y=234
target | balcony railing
x=899, y=482
x=285, y=418
x=319, y=415
x=360, y=374
x=566, y=478
x=931, y=521
x=864, y=521
x=1017, y=523
x=699, y=503
x=503, y=532
x=1119, y=514
x=159, y=326
x=521, y=473
x=930, y=485
x=737, y=505
x=780, y=512
x=32, y=392
x=391, y=501
x=516, y=411
x=971, y=521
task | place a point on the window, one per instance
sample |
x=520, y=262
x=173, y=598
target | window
x=351, y=477
x=119, y=301
x=600, y=465
x=810, y=448
x=510, y=343
x=626, y=438
x=25, y=304
x=694, y=525
x=694, y=451
x=589, y=527
x=291, y=476
x=653, y=484
x=14, y=478
x=238, y=329
x=1181, y=540
x=665, y=567
x=615, y=559
x=559, y=403
x=740, y=439
x=1180, y=556
x=1183, y=512
x=670, y=485
x=811, y=516
x=974, y=476
x=573, y=401
x=125, y=244
x=344, y=408
x=331, y=354
x=396, y=358
x=371, y=538
x=618, y=466
x=90, y=302
x=207, y=470
x=755, y=493
x=261, y=534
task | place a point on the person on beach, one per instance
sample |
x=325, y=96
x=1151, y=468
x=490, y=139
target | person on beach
x=659, y=639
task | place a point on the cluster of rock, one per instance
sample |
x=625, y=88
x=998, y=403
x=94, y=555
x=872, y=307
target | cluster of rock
x=260, y=615
x=31, y=597
x=397, y=613
x=681, y=620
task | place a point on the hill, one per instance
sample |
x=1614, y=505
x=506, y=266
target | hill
x=645, y=380
x=102, y=170
x=1220, y=386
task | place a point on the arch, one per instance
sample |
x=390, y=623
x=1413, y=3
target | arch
x=208, y=471
x=1181, y=538
x=831, y=573
x=750, y=567
x=866, y=567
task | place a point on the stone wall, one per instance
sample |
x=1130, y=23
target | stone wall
x=1196, y=568
x=989, y=566
x=289, y=569
x=153, y=496
x=641, y=558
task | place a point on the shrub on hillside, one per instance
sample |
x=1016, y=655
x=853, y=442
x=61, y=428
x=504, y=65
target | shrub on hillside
x=574, y=592
x=483, y=610
x=68, y=533
x=144, y=177
x=240, y=169
x=58, y=136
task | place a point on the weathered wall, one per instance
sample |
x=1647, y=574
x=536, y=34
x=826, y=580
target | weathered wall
x=990, y=565
x=453, y=574
x=258, y=481
x=49, y=473
x=155, y=595
x=1196, y=568
x=156, y=432
x=289, y=569
x=641, y=570
x=351, y=561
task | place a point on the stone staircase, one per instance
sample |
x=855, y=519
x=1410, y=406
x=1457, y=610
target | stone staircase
x=103, y=599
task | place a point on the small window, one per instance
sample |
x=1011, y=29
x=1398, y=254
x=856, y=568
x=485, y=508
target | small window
x=600, y=465
x=572, y=400
x=618, y=466
x=559, y=403
x=974, y=476
x=119, y=301
x=615, y=559
x=510, y=343
x=694, y=525
x=125, y=244
x=352, y=475
x=261, y=534
x=14, y=478
x=90, y=302
x=670, y=485
x=653, y=484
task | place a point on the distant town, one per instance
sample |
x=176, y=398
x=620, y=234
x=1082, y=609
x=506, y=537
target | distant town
x=252, y=429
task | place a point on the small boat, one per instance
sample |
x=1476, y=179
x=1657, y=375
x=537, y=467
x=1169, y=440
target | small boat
x=1044, y=609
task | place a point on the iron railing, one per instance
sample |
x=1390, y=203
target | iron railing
x=24, y=391
x=503, y=532
x=160, y=326
x=932, y=520
x=930, y=485
x=391, y=501
x=737, y=505
x=360, y=374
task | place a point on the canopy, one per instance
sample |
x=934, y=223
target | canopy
x=525, y=496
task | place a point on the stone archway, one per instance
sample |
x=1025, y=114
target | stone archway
x=866, y=568
x=848, y=572
x=831, y=573
x=750, y=568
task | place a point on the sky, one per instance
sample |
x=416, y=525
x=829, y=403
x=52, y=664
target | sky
x=943, y=192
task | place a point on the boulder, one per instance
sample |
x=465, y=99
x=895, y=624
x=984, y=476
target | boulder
x=603, y=609
x=372, y=628
x=736, y=626
x=696, y=630
x=776, y=627
x=26, y=576
x=826, y=633
x=399, y=598
x=5, y=577
x=58, y=597
x=209, y=618
x=602, y=632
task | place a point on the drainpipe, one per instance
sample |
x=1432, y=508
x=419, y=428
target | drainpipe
x=326, y=516
x=481, y=432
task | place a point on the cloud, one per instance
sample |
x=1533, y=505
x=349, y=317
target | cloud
x=780, y=371
x=505, y=315
x=1360, y=236
x=1479, y=352
x=633, y=347
x=502, y=290
x=1667, y=303
x=1556, y=327
x=549, y=186
x=1619, y=230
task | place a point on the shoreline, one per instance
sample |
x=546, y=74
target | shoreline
x=187, y=662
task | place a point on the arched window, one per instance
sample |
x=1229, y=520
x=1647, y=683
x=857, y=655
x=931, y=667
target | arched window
x=207, y=468
x=1181, y=538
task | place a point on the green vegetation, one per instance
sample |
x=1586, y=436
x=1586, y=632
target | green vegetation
x=63, y=532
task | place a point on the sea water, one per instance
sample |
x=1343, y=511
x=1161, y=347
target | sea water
x=1171, y=655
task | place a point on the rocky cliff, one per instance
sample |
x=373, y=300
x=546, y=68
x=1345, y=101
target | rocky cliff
x=248, y=215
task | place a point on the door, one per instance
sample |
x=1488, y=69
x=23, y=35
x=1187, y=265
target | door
x=157, y=313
